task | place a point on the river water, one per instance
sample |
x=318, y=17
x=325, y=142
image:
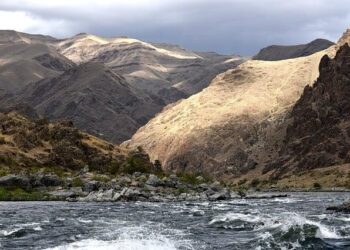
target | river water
x=297, y=222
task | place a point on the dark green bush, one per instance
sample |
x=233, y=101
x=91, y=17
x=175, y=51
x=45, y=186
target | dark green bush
x=19, y=194
x=255, y=182
x=113, y=167
x=7, y=161
x=2, y=140
x=317, y=185
x=77, y=182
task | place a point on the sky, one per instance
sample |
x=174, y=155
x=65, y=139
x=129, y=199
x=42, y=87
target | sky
x=224, y=26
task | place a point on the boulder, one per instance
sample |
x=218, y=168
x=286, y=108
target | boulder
x=51, y=180
x=216, y=186
x=63, y=194
x=116, y=197
x=132, y=194
x=91, y=186
x=14, y=181
x=182, y=196
x=154, y=181
x=222, y=195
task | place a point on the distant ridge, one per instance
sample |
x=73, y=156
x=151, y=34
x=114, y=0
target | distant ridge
x=279, y=52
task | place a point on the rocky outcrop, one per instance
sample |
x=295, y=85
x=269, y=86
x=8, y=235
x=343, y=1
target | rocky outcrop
x=278, y=52
x=151, y=188
x=318, y=134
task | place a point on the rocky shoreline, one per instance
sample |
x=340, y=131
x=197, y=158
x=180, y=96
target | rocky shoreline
x=136, y=187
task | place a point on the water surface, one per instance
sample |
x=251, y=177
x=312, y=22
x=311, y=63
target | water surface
x=297, y=222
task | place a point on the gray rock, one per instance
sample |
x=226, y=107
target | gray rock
x=216, y=186
x=51, y=180
x=117, y=196
x=192, y=197
x=204, y=186
x=199, y=179
x=124, y=181
x=223, y=195
x=108, y=195
x=92, y=196
x=173, y=178
x=13, y=181
x=135, y=183
x=91, y=186
x=132, y=194
x=122, y=193
x=137, y=174
x=63, y=194
x=182, y=196
x=153, y=181
x=150, y=188
x=76, y=189
x=203, y=196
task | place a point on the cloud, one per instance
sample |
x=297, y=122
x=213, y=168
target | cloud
x=226, y=26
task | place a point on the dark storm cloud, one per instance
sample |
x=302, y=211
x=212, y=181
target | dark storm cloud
x=226, y=26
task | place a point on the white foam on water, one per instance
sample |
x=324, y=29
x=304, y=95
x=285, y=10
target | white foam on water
x=323, y=231
x=121, y=235
x=85, y=221
x=231, y=216
x=346, y=219
x=10, y=232
x=284, y=200
x=126, y=244
x=263, y=221
x=285, y=221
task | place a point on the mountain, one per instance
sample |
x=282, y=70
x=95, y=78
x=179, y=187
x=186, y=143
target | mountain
x=95, y=98
x=278, y=52
x=108, y=86
x=28, y=58
x=165, y=70
x=319, y=128
x=237, y=125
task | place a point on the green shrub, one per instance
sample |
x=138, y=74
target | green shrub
x=7, y=161
x=241, y=182
x=2, y=140
x=4, y=172
x=19, y=194
x=189, y=178
x=255, y=182
x=158, y=166
x=135, y=164
x=317, y=185
x=101, y=178
x=242, y=193
x=77, y=182
x=113, y=167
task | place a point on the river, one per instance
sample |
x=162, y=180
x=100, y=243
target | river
x=299, y=221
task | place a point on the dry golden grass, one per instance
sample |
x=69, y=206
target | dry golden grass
x=255, y=92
